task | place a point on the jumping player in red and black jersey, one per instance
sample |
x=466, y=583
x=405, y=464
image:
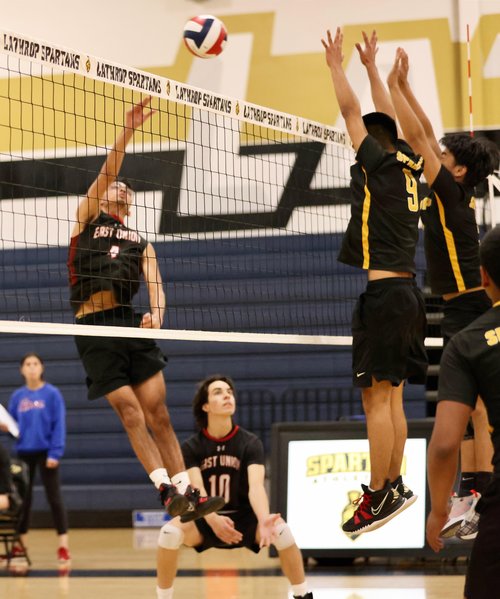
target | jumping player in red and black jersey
x=106, y=262
x=451, y=241
x=227, y=460
x=389, y=319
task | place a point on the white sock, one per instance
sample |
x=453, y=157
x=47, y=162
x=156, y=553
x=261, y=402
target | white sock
x=159, y=477
x=165, y=593
x=181, y=481
x=299, y=590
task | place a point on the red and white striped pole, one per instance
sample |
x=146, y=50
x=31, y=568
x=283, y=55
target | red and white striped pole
x=469, y=77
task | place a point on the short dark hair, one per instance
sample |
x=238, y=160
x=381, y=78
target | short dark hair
x=382, y=127
x=201, y=397
x=489, y=254
x=480, y=155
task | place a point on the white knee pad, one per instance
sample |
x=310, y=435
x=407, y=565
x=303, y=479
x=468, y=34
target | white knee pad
x=170, y=537
x=283, y=536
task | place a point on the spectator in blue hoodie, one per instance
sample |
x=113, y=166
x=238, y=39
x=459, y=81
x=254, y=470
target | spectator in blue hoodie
x=39, y=410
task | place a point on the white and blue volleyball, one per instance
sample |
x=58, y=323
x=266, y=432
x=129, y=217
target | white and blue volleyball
x=205, y=36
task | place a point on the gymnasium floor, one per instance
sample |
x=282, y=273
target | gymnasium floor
x=119, y=564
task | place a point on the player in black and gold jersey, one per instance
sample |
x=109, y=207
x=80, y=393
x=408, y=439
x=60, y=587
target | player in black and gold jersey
x=470, y=367
x=389, y=319
x=451, y=241
x=227, y=460
x=106, y=263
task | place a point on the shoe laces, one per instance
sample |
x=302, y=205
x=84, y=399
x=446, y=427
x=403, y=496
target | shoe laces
x=364, y=502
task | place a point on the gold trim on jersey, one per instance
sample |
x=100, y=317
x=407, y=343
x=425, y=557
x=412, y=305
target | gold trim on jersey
x=496, y=304
x=364, y=224
x=450, y=245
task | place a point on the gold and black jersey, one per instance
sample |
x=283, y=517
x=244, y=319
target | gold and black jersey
x=470, y=366
x=451, y=237
x=383, y=229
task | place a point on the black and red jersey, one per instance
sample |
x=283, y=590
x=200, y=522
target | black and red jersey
x=105, y=256
x=224, y=464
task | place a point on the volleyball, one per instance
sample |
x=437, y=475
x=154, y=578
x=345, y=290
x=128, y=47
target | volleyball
x=205, y=36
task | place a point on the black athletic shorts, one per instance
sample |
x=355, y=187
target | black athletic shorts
x=112, y=362
x=460, y=311
x=388, y=328
x=483, y=574
x=245, y=522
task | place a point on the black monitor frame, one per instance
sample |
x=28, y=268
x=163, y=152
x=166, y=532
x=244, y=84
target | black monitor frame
x=283, y=433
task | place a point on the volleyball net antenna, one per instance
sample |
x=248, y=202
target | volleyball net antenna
x=245, y=206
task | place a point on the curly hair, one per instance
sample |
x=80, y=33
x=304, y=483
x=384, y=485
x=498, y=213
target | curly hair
x=201, y=398
x=479, y=155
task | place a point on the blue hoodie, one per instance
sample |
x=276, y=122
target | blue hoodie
x=41, y=416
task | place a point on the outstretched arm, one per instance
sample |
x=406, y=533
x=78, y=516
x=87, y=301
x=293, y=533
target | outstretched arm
x=152, y=276
x=88, y=208
x=413, y=130
x=407, y=92
x=348, y=102
x=380, y=96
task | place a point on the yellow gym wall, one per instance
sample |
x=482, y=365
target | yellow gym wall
x=285, y=67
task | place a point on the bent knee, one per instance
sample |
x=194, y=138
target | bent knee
x=283, y=536
x=170, y=537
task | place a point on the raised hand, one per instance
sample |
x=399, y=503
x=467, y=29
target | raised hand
x=404, y=66
x=333, y=48
x=369, y=52
x=139, y=114
x=393, y=77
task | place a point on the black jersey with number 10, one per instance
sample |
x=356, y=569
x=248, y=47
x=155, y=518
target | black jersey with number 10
x=224, y=464
x=382, y=233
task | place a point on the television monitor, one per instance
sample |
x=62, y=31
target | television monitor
x=316, y=475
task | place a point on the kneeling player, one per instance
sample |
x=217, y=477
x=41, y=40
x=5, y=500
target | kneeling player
x=225, y=458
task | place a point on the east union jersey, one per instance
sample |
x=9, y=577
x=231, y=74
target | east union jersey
x=451, y=237
x=105, y=256
x=470, y=366
x=382, y=233
x=224, y=464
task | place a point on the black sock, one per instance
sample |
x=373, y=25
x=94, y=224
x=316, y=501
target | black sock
x=467, y=483
x=397, y=482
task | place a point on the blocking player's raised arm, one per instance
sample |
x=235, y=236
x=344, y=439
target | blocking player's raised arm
x=415, y=105
x=367, y=55
x=346, y=98
x=413, y=131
